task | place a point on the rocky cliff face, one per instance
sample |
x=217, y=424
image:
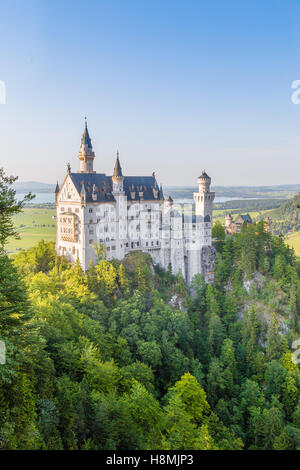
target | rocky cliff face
x=208, y=257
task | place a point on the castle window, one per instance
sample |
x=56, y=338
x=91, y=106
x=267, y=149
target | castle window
x=137, y=243
x=90, y=210
x=91, y=232
x=77, y=210
x=73, y=250
x=91, y=221
x=69, y=209
x=62, y=209
x=113, y=247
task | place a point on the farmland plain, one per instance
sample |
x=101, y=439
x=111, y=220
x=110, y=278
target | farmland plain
x=33, y=224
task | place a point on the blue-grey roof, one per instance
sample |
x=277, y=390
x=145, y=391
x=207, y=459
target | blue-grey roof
x=86, y=137
x=103, y=186
x=141, y=183
x=118, y=169
x=247, y=218
x=204, y=175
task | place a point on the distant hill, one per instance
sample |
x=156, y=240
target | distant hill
x=285, y=191
x=186, y=192
x=34, y=187
x=286, y=217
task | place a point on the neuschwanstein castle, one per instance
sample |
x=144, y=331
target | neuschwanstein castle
x=127, y=213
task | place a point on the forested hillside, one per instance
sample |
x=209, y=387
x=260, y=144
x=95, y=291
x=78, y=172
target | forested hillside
x=124, y=357
x=286, y=217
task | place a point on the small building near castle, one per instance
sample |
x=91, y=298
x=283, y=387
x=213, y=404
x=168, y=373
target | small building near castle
x=127, y=213
x=235, y=226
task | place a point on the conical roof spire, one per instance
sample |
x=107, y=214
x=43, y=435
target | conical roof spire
x=86, y=140
x=118, y=169
x=161, y=194
x=86, y=154
x=204, y=175
x=56, y=191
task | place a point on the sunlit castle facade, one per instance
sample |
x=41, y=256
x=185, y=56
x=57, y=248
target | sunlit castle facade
x=127, y=213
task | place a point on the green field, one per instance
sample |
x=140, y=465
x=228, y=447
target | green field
x=36, y=223
x=293, y=240
x=33, y=225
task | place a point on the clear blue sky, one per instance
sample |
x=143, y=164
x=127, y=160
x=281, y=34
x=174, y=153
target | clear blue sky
x=176, y=86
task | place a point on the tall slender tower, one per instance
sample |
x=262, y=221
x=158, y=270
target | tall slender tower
x=120, y=208
x=204, y=198
x=118, y=178
x=86, y=154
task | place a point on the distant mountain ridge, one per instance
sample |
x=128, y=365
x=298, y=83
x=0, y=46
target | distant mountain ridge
x=34, y=187
x=284, y=191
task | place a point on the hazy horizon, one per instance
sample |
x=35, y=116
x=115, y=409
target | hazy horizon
x=175, y=87
x=177, y=185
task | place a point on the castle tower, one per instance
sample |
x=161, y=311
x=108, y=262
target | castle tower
x=268, y=224
x=228, y=221
x=86, y=154
x=121, y=209
x=118, y=178
x=204, y=198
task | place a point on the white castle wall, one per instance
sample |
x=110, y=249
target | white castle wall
x=122, y=226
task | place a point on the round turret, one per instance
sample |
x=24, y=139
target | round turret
x=228, y=220
x=204, y=182
x=169, y=202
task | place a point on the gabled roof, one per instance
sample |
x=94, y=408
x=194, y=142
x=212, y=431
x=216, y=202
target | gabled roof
x=245, y=218
x=100, y=183
x=102, y=186
x=146, y=184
